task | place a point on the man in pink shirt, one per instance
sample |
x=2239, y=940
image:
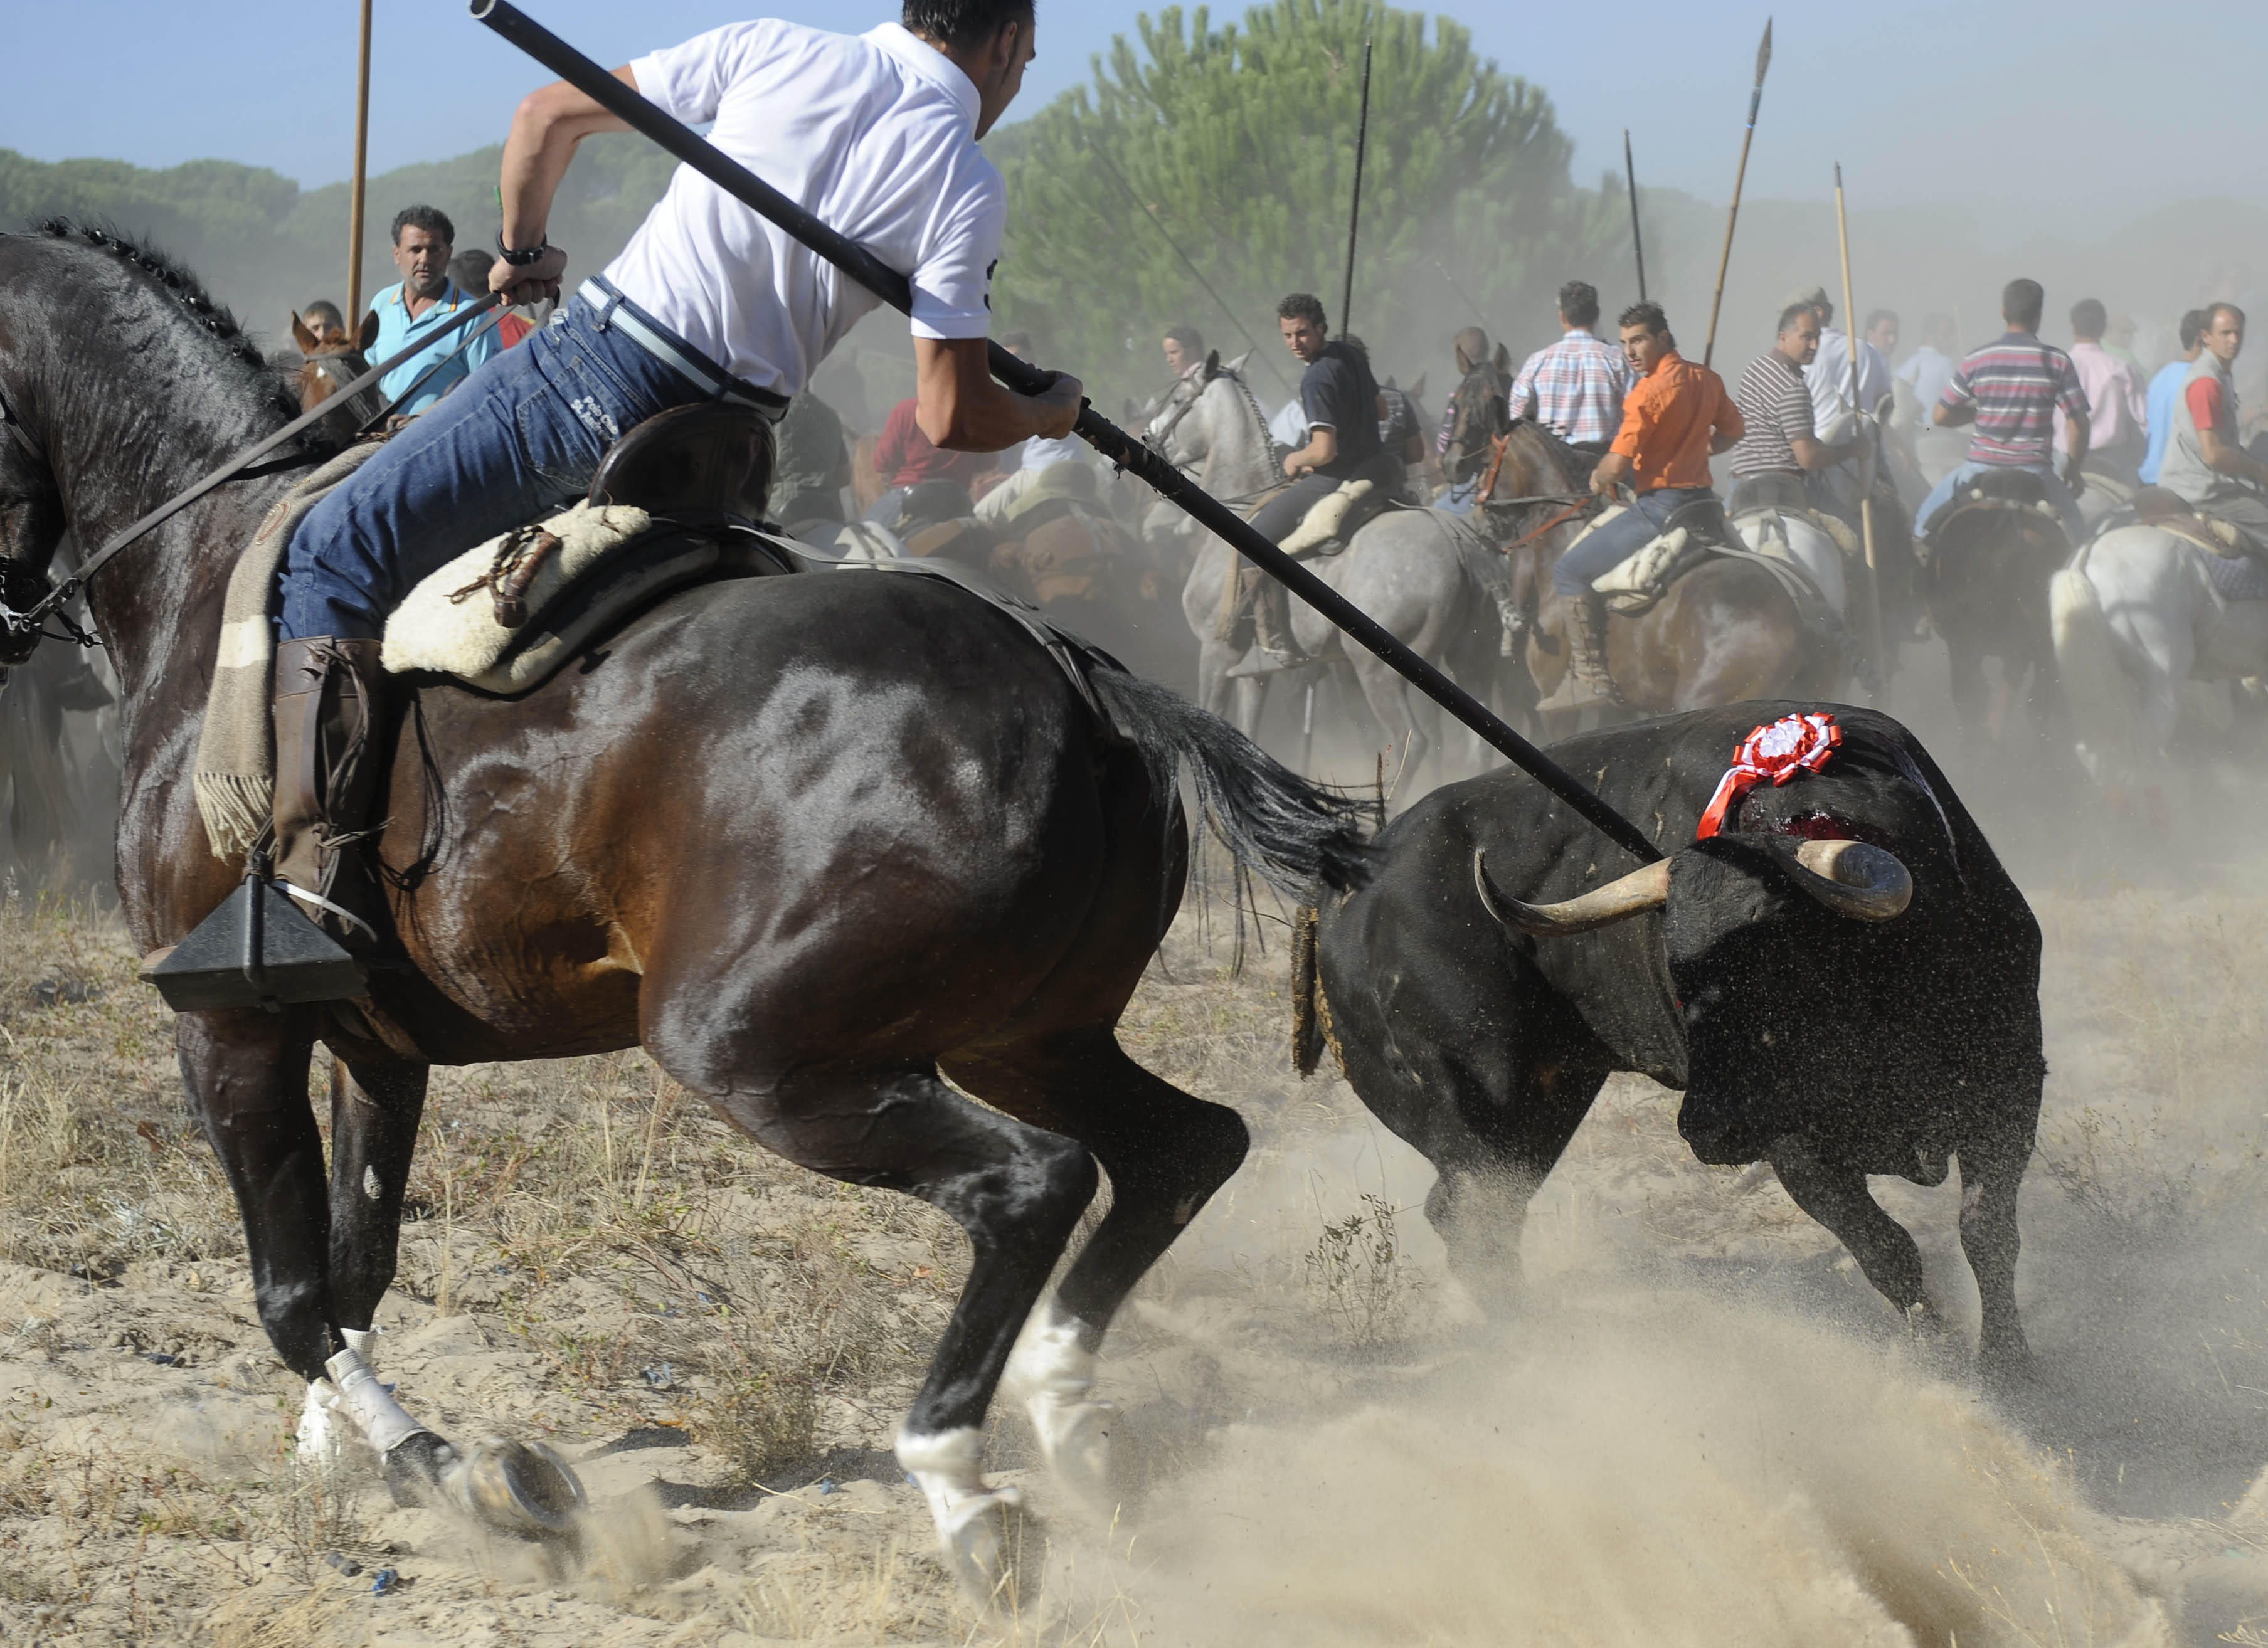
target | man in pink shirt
x=2118, y=430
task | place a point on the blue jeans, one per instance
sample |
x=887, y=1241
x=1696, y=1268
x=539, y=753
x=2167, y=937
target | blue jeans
x=2059, y=493
x=1601, y=552
x=518, y=438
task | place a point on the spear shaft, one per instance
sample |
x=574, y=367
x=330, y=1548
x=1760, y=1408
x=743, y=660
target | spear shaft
x=1354, y=211
x=1638, y=246
x=1755, y=101
x=1865, y=469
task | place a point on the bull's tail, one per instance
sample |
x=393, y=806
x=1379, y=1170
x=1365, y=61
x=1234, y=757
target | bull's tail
x=2102, y=697
x=1291, y=834
x=1310, y=1016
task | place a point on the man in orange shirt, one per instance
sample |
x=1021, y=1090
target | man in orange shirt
x=1675, y=418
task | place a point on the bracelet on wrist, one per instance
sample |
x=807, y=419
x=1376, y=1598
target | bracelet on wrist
x=521, y=259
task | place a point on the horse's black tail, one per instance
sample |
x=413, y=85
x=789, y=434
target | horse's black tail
x=1291, y=832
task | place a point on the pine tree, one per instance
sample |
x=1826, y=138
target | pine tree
x=1241, y=140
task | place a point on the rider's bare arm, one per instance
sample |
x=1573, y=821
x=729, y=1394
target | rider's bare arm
x=1814, y=453
x=1322, y=447
x=2226, y=457
x=961, y=408
x=549, y=123
x=1612, y=471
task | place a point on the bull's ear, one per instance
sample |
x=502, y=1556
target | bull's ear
x=1503, y=359
x=367, y=334
x=301, y=334
x=1212, y=364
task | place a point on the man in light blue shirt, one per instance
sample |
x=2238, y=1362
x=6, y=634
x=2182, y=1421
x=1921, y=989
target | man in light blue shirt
x=2165, y=388
x=425, y=301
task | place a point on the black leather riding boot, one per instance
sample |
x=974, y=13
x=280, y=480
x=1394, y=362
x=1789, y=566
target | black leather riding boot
x=329, y=693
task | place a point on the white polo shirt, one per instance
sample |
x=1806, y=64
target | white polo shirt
x=873, y=134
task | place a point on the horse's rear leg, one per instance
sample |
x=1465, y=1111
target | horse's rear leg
x=1016, y=1191
x=1166, y=1152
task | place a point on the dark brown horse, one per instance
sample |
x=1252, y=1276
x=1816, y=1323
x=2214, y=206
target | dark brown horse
x=818, y=844
x=329, y=360
x=1726, y=631
x=1983, y=580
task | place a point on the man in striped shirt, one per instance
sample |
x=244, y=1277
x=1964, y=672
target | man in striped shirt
x=2011, y=390
x=1575, y=388
x=1781, y=442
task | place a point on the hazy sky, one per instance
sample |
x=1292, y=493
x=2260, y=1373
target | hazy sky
x=2029, y=109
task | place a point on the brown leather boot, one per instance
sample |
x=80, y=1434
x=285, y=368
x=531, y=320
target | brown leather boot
x=1588, y=684
x=1273, y=649
x=329, y=694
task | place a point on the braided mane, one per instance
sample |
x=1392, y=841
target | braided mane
x=184, y=287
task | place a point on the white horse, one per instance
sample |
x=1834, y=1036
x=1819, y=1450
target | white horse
x=2136, y=618
x=1428, y=577
x=1793, y=536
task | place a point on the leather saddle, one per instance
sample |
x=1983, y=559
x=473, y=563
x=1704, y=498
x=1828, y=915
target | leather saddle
x=1704, y=519
x=713, y=461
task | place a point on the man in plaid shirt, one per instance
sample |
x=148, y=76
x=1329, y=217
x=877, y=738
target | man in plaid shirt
x=1575, y=388
x=2011, y=390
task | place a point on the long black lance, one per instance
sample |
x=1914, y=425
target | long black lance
x=1755, y=101
x=1354, y=208
x=1638, y=246
x=1115, y=443
x=1196, y=274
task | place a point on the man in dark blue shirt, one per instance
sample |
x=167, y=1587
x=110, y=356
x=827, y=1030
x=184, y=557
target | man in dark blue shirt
x=1340, y=398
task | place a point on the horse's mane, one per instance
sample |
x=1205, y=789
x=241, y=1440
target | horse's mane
x=1571, y=461
x=165, y=271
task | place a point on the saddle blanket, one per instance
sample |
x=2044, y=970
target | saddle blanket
x=2236, y=576
x=502, y=617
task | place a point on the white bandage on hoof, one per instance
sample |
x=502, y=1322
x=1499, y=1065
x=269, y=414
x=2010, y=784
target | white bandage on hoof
x=1053, y=1375
x=383, y=1421
x=978, y=1528
x=319, y=1442
x=362, y=1342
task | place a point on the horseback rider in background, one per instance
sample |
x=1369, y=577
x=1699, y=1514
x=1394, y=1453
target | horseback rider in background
x=2113, y=387
x=1574, y=387
x=2165, y=389
x=1674, y=419
x=2011, y=390
x=708, y=301
x=2205, y=464
x=1781, y=444
x=1339, y=400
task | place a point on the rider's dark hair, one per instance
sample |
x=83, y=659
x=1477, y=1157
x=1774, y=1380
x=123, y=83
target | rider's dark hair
x=2192, y=328
x=1876, y=318
x=1788, y=317
x=1188, y=338
x=1304, y=306
x=2022, y=303
x=1648, y=315
x=2229, y=309
x=1578, y=303
x=431, y=219
x=470, y=268
x=2089, y=318
x=961, y=24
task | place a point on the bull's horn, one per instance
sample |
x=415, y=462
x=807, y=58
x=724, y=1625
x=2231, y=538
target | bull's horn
x=1854, y=878
x=1619, y=899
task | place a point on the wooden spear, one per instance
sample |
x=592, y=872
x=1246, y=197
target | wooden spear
x=1354, y=212
x=1867, y=475
x=361, y=165
x=1755, y=98
x=1638, y=246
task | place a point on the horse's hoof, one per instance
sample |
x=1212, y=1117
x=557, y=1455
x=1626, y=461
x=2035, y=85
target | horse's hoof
x=322, y=1445
x=416, y=1466
x=1075, y=1444
x=521, y=1489
x=984, y=1539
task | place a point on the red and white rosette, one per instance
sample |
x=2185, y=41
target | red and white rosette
x=1776, y=754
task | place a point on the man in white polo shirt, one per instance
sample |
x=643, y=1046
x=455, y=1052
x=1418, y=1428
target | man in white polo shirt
x=874, y=134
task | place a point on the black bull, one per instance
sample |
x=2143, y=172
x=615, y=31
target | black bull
x=1831, y=1047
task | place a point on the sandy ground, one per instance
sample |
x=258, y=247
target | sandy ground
x=1701, y=1426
